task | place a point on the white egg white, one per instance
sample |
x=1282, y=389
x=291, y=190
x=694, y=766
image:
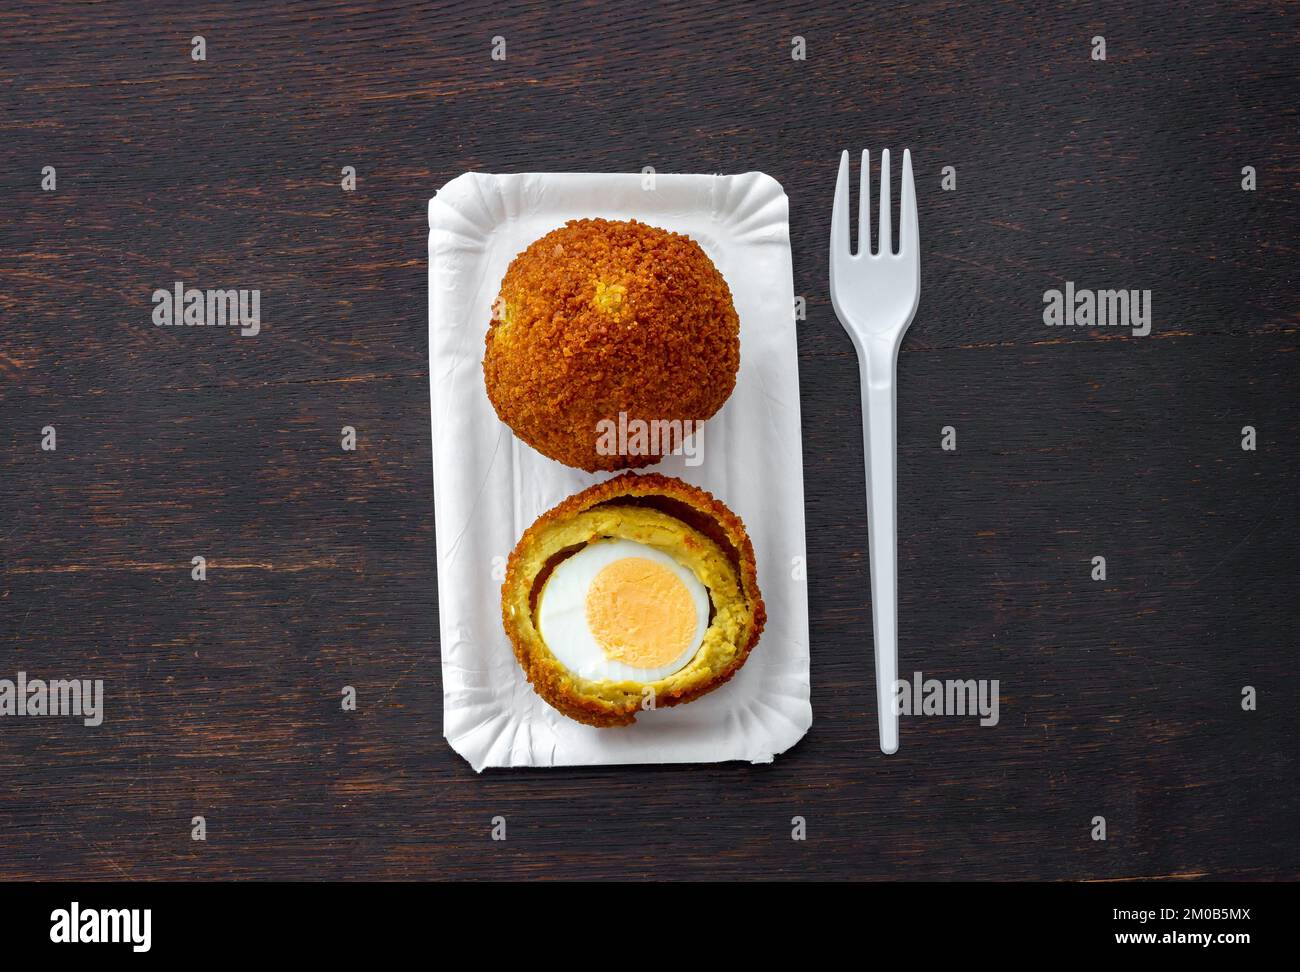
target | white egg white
x=562, y=613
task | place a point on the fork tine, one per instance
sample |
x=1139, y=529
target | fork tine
x=909, y=235
x=886, y=217
x=840, y=211
x=864, y=206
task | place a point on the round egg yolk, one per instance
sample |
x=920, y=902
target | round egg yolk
x=640, y=613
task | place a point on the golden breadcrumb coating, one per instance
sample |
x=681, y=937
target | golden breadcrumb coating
x=603, y=317
x=685, y=522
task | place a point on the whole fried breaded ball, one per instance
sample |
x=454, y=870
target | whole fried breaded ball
x=604, y=317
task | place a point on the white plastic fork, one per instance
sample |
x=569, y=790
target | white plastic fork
x=875, y=297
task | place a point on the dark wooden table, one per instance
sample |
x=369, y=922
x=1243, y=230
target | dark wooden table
x=1119, y=698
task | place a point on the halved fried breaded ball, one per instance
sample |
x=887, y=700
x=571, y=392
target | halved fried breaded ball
x=681, y=520
x=603, y=317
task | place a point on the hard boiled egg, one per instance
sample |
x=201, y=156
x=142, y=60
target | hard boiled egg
x=619, y=610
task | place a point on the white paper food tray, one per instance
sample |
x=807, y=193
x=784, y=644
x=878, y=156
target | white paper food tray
x=489, y=486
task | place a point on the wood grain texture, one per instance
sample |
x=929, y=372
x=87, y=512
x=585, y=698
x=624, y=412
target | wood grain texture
x=1119, y=698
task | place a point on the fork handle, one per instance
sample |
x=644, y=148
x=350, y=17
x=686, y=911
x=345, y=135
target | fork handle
x=877, y=361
